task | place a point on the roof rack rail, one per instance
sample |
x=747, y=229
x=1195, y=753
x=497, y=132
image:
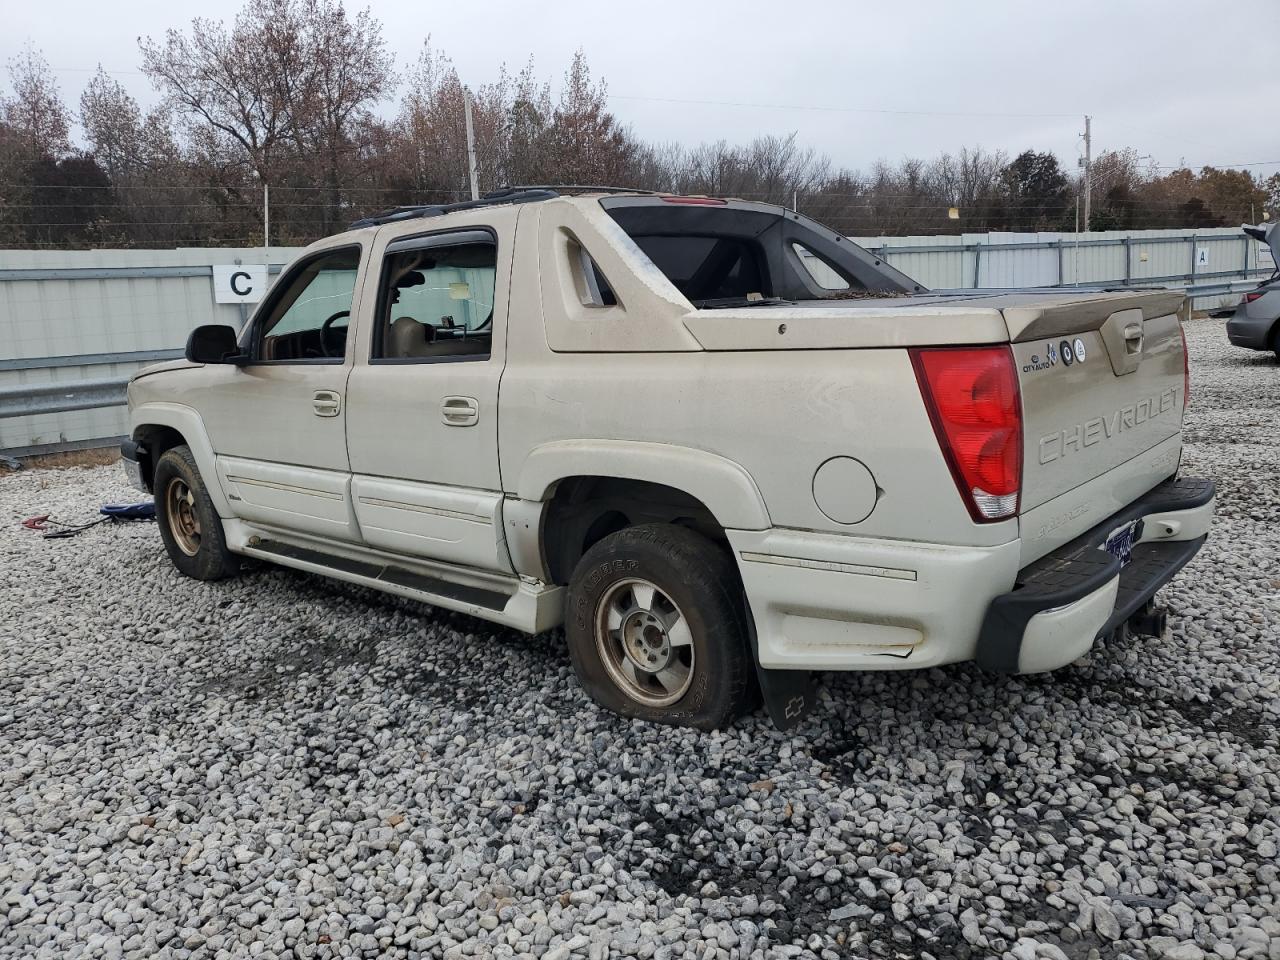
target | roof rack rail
x=583, y=188
x=496, y=198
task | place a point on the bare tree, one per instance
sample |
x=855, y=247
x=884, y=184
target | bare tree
x=586, y=143
x=35, y=114
x=348, y=71
x=112, y=123
x=241, y=89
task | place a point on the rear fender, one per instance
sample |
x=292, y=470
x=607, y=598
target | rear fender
x=723, y=486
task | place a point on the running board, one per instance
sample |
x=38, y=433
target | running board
x=385, y=574
x=528, y=606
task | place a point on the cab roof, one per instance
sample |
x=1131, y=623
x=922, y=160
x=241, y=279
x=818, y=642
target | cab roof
x=507, y=195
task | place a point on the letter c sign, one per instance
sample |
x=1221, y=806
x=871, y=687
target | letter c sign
x=239, y=283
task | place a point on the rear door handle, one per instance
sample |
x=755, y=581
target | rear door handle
x=459, y=411
x=326, y=403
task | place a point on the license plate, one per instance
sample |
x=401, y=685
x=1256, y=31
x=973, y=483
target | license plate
x=1120, y=543
x=133, y=473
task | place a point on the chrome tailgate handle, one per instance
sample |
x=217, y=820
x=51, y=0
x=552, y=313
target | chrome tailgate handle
x=459, y=411
x=1124, y=335
x=326, y=403
x=1133, y=337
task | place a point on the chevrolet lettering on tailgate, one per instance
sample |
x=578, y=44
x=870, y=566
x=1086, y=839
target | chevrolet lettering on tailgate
x=1075, y=438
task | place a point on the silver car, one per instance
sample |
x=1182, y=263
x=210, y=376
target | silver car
x=1256, y=321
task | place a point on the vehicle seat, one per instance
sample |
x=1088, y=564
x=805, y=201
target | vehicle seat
x=409, y=338
x=471, y=346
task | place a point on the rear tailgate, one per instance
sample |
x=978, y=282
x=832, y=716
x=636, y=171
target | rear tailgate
x=1102, y=382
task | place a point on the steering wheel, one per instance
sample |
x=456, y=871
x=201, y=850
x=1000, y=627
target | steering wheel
x=328, y=345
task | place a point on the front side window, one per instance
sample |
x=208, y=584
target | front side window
x=307, y=320
x=437, y=302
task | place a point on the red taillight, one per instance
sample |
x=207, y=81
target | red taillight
x=973, y=400
x=1250, y=297
x=1186, y=368
x=696, y=201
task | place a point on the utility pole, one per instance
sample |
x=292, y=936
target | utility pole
x=471, y=144
x=1088, y=169
x=266, y=215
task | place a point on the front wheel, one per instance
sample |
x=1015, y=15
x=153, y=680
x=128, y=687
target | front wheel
x=656, y=630
x=189, y=525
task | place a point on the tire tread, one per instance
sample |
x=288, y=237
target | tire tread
x=691, y=564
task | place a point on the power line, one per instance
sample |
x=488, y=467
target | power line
x=832, y=109
x=109, y=70
x=1188, y=166
x=726, y=103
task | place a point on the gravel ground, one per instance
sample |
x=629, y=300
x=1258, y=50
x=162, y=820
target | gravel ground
x=282, y=766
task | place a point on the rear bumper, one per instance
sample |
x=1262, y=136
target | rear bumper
x=1251, y=332
x=1065, y=600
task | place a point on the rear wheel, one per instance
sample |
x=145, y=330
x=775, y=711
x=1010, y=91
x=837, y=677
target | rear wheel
x=189, y=525
x=656, y=628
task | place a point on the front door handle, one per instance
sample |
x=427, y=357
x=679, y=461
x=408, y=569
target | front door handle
x=326, y=403
x=459, y=411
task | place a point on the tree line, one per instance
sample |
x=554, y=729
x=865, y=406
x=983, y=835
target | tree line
x=300, y=95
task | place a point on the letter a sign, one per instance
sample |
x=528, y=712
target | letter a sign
x=241, y=283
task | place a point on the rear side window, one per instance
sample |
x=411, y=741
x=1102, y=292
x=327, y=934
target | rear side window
x=819, y=271
x=436, y=302
x=708, y=268
x=594, y=289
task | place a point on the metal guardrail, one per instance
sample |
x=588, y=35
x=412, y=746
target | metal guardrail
x=31, y=399
x=1222, y=289
x=88, y=359
x=113, y=273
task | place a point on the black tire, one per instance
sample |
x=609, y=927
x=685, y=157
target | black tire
x=696, y=583
x=192, y=533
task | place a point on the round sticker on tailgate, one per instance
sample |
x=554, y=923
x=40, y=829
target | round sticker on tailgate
x=1078, y=349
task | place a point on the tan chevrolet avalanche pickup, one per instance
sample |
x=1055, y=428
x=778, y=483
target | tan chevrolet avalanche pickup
x=721, y=444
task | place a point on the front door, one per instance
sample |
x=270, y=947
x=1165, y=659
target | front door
x=277, y=423
x=422, y=413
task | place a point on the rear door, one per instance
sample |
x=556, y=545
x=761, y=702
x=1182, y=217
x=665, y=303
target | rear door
x=277, y=423
x=422, y=403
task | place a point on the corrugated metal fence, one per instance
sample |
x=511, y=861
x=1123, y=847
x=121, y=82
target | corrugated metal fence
x=76, y=316
x=1116, y=258
x=92, y=318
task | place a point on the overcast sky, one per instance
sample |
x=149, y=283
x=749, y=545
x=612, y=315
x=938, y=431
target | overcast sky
x=1179, y=80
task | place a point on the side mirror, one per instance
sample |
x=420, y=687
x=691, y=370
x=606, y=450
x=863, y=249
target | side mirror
x=214, y=343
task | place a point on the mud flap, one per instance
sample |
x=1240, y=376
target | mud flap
x=789, y=695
